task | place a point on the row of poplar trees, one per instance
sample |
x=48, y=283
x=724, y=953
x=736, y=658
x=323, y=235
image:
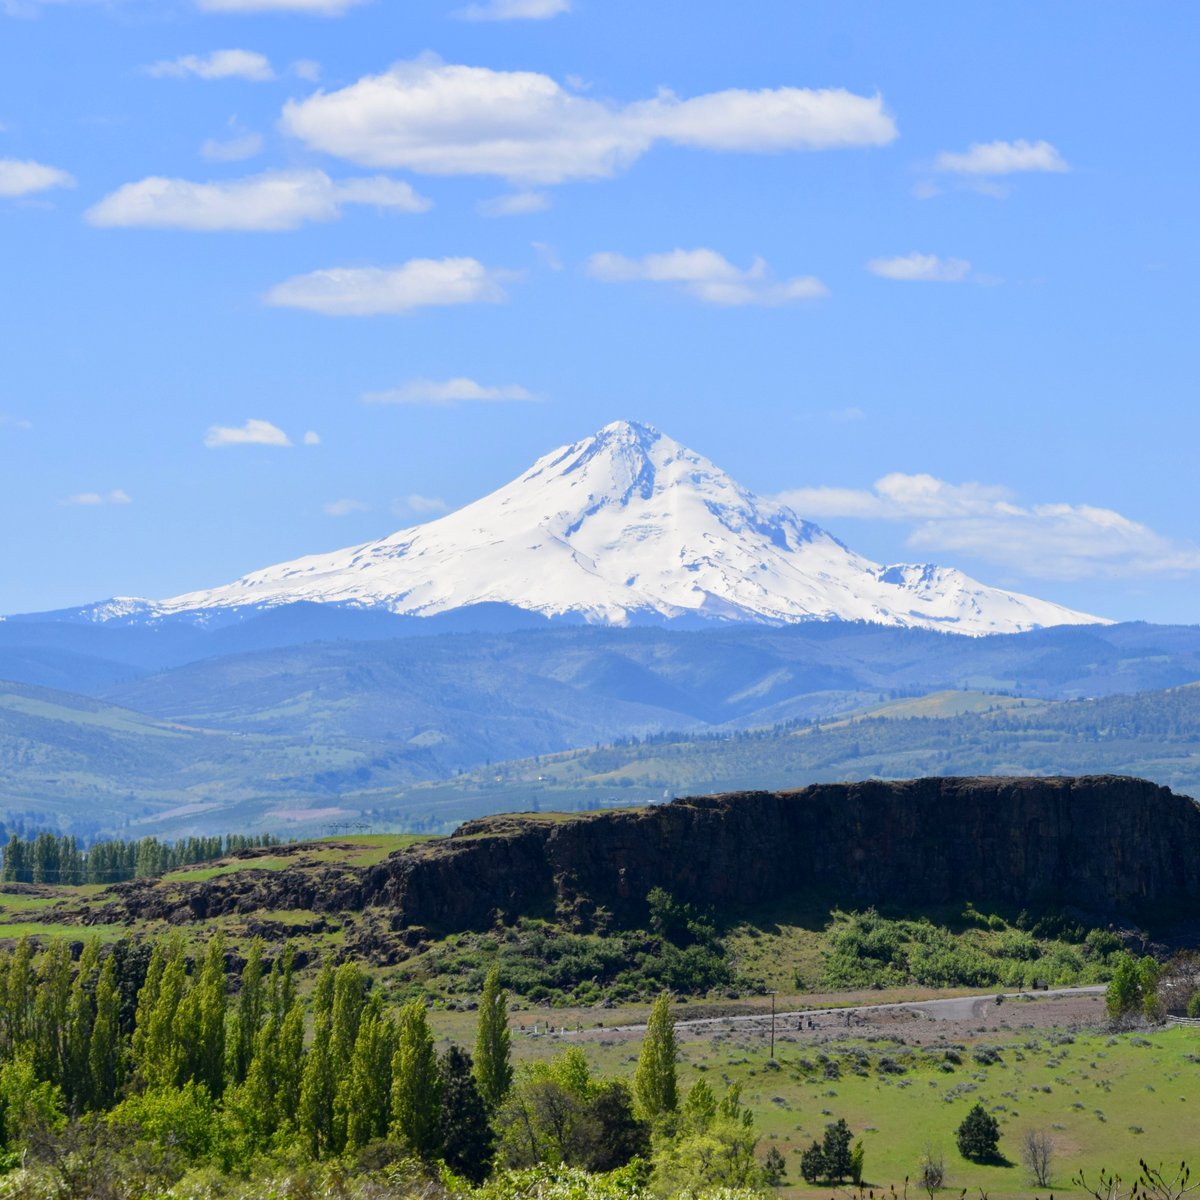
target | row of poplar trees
x=114, y=1026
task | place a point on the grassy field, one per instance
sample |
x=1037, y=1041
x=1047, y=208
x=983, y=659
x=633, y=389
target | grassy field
x=1106, y=1100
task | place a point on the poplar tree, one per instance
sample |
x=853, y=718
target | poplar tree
x=349, y=997
x=20, y=991
x=364, y=1097
x=147, y=1001
x=318, y=1084
x=493, y=1070
x=416, y=1084
x=78, y=1083
x=248, y=1013
x=51, y=1010
x=105, y=1052
x=290, y=1064
x=163, y=1049
x=208, y=1035
x=654, y=1082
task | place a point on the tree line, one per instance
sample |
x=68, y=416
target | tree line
x=60, y=859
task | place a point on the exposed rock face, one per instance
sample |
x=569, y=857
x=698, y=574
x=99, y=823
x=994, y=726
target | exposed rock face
x=1101, y=844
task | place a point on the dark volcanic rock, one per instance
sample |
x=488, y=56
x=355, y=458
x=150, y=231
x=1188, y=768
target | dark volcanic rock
x=1098, y=844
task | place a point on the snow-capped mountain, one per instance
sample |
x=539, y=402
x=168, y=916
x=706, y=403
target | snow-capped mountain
x=622, y=526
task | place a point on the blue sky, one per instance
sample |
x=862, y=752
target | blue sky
x=284, y=275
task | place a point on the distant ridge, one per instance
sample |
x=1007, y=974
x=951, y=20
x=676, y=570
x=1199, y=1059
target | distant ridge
x=624, y=527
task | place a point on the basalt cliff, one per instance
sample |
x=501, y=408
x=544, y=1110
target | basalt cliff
x=1108, y=846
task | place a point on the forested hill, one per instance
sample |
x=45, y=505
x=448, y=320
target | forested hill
x=1154, y=735
x=407, y=732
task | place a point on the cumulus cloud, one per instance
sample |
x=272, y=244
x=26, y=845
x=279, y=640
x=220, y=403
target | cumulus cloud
x=252, y=433
x=1002, y=158
x=346, y=508
x=515, y=10
x=219, y=64
x=95, y=499
x=1046, y=541
x=420, y=504
x=23, y=177
x=922, y=268
x=312, y=438
x=317, y=8
x=271, y=202
x=445, y=393
x=519, y=204
x=241, y=145
x=307, y=69
x=370, y=291
x=707, y=276
x=457, y=120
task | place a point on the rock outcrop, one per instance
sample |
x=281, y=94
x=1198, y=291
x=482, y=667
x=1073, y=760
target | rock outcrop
x=1103, y=845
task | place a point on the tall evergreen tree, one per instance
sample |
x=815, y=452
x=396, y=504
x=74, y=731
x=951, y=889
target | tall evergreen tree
x=468, y=1143
x=493, y=1069
x=416, y=1083
x=654, y=1082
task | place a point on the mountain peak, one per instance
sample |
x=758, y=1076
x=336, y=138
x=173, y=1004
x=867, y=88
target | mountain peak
x=629, y=525
x=628, y=432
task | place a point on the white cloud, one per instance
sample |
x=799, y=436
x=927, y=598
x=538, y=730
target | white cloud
x=457, y=120
x=369, y=291
x=252, y=433
x=219, y=64
x=1046, y=541
x=307, y=69
x=272, y=202
x=515, y=10
x=445, y=393
x=1002, y=158
x=311, y=438
x=345, y=508
x=422, y=504
x=317, y=8
x=8, y=421
x=923, y=268
x=708, y=276
x=518, y=204
x=237, y=148
x=548, y=256
x=23, y=177
x=95, y=499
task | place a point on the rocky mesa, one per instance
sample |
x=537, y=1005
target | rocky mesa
x=1109, y=846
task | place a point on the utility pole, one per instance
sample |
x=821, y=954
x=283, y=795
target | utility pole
x=772, y=1022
